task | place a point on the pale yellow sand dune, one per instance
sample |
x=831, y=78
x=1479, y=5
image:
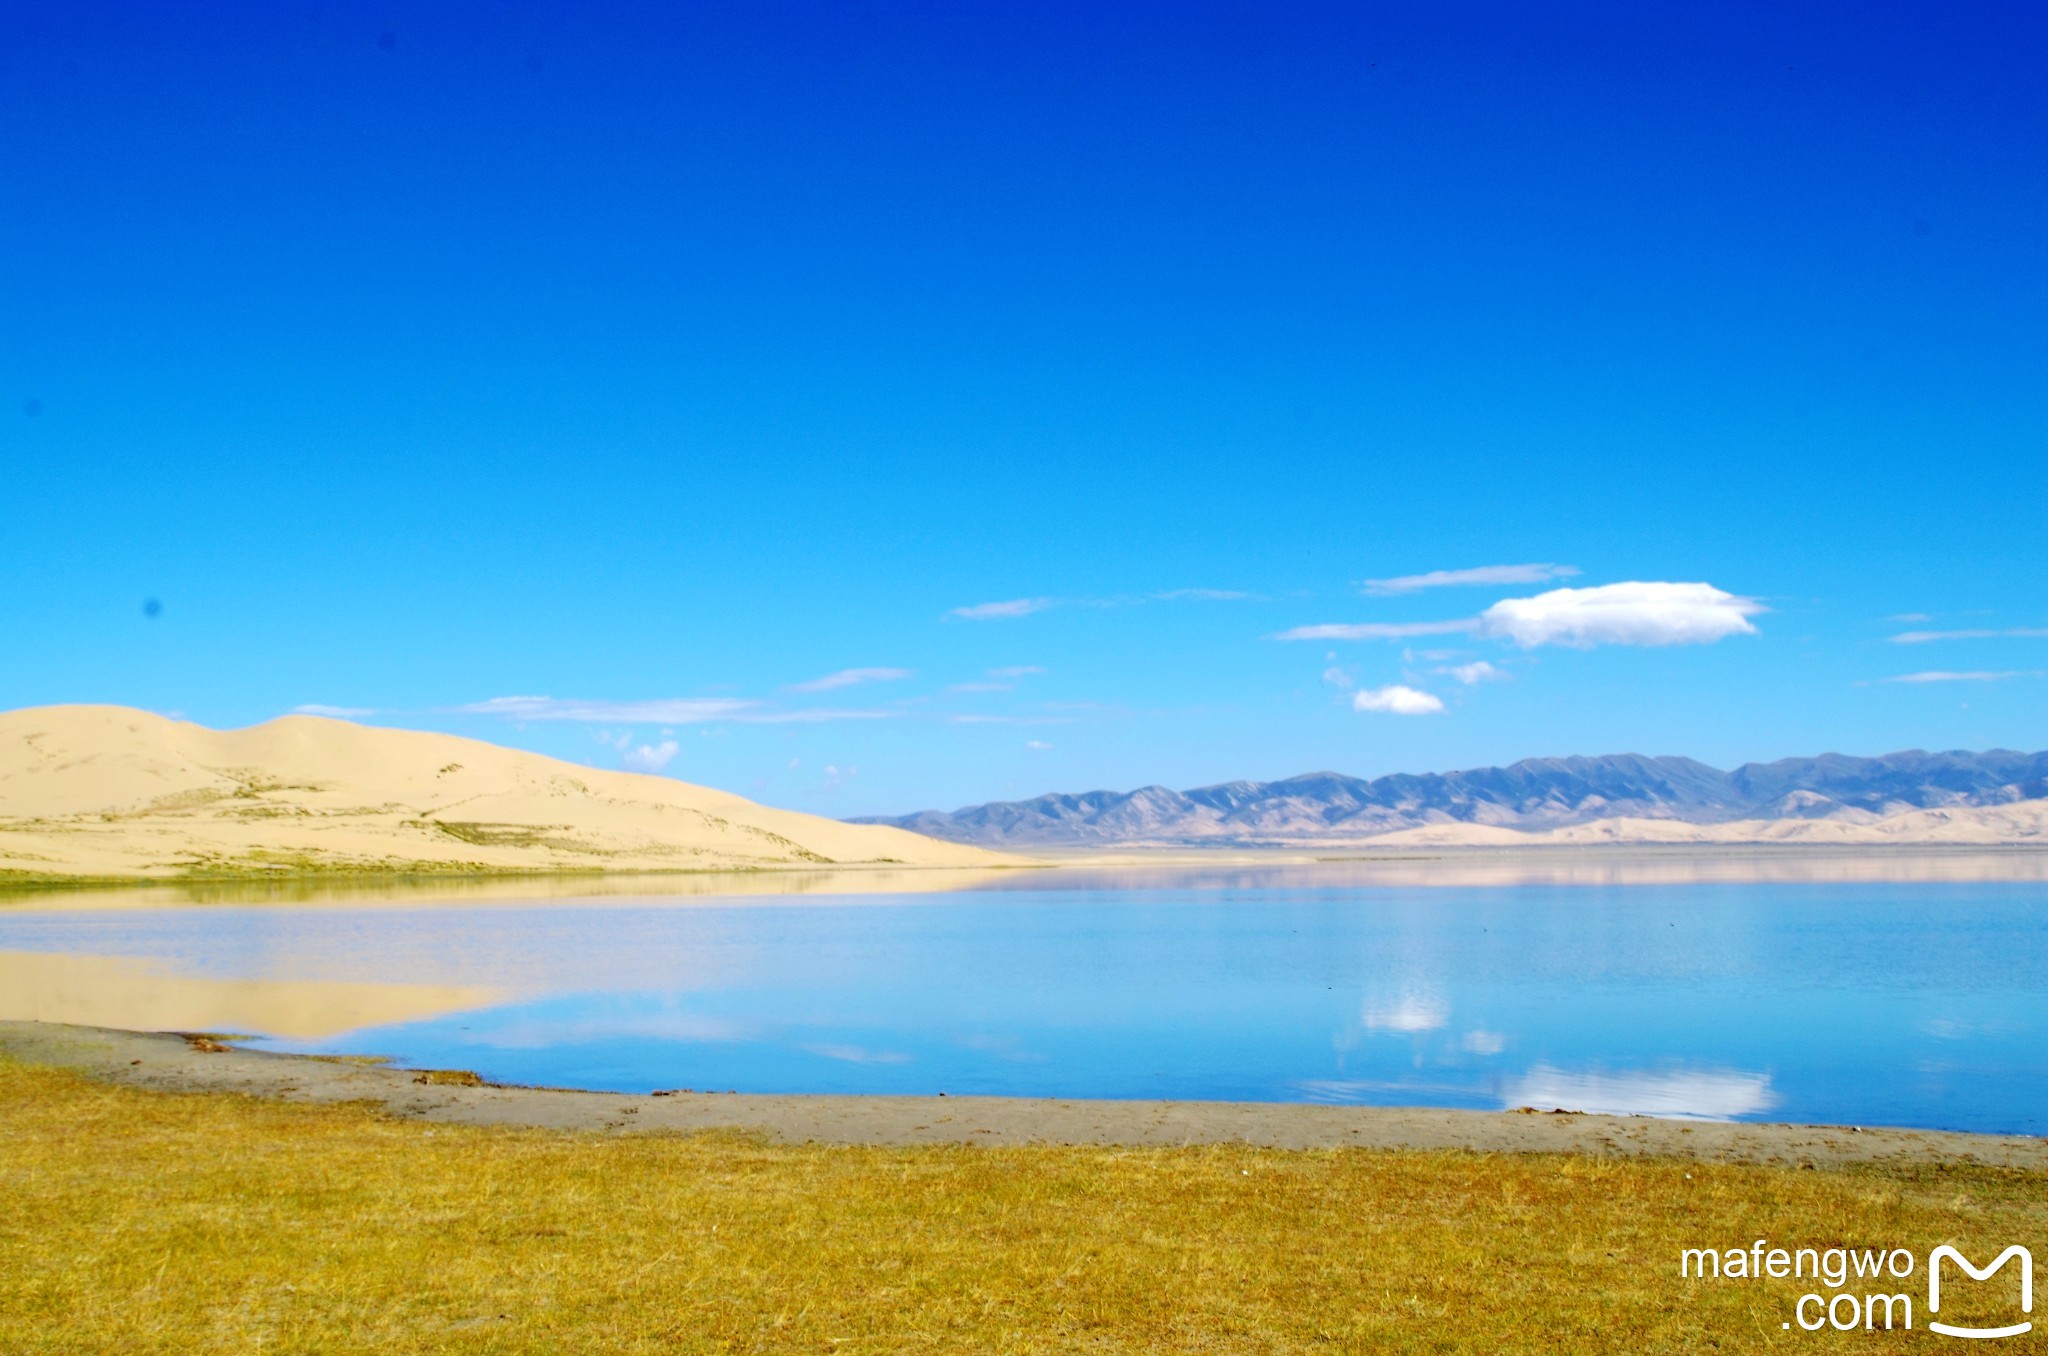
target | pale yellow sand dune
x=2021, y=822
x=111, y=791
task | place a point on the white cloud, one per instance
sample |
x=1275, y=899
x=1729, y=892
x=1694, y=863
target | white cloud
x=1634, y=613
x=1483, y=574
x=1337, y=677
x=1923, y=637
x=1478, y=671
x=1036, y=745
x=1378, y=630
x=1483, y=1043
x=650, y=757
x=1397, y=700
x=848, y=678
x=1976, y=676
x=1014, y=607
x=333, y=712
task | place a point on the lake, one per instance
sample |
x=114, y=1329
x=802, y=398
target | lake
x=1869, y=990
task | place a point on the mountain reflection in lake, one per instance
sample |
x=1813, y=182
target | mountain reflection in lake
x=1792, y=989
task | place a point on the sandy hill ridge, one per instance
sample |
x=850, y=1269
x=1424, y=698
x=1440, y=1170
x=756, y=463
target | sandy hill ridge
x=111, y=791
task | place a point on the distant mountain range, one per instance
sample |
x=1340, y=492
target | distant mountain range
x=1536, y=795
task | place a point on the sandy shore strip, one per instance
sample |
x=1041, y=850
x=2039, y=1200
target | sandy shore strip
x=177, y=1063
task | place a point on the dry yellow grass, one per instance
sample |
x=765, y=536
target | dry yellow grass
x=145, y=1222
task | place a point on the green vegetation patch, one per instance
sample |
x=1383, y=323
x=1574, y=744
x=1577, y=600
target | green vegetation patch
x=496, y=835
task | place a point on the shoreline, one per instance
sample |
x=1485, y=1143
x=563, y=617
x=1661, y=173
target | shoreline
x=13, y=882
x=187, y=1063
x=18, y=886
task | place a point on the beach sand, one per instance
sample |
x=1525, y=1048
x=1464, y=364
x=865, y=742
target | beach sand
x=180, y=1063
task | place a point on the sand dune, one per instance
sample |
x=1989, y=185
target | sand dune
x=110, y=791
x=2022, y=822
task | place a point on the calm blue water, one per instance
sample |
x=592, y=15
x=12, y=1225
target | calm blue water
x=1918, y=1004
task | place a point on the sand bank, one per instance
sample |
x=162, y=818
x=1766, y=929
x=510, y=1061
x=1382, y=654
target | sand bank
x=174, y=1063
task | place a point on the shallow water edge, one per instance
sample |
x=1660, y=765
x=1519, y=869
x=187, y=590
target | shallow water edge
x=175, y=1063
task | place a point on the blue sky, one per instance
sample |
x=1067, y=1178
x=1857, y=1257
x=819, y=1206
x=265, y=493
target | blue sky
x=665, y=362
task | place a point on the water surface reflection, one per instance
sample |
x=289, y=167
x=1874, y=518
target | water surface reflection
x=1914, y=999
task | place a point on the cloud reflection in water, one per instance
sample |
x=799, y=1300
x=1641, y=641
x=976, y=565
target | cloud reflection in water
x=1677, y=1094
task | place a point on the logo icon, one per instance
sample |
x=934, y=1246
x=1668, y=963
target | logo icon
x=1934, y=1259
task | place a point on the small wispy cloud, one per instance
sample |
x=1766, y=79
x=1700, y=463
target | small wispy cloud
x=1973, y=676
x=1397, y=699
x=665, y=711
x=1478, y=671
x=650, y=757
x=999, y=680
x=2001, y=633
x=1379, y=630
x=1339, y=678
x=977, y=719
x=1205, y=596
x=849, y=678
x=1481, y=574
x=1024, y=607
x=661, y=711
x=1013, y=607
x=334, y=712
x=1036, y=745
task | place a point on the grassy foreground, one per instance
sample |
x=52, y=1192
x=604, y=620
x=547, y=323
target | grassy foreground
x=144, y=1222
